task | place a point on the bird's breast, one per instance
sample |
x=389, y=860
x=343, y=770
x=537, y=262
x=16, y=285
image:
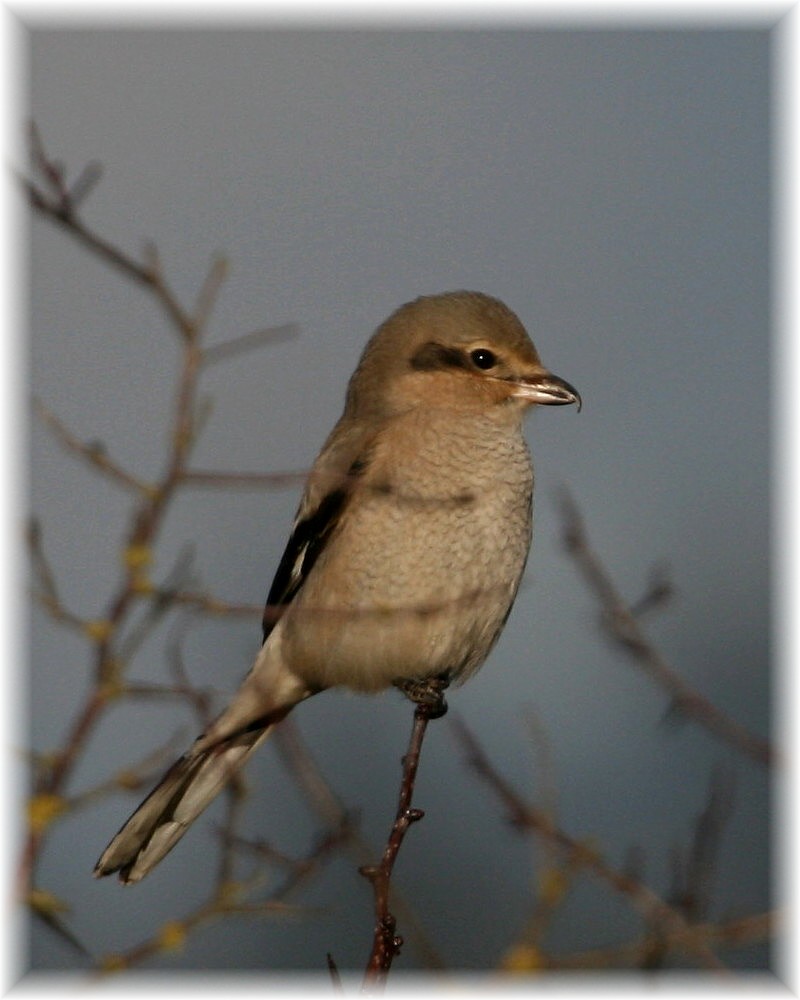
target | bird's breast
x=421, y=574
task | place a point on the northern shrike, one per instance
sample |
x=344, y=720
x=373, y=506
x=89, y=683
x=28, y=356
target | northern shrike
x=406, y=551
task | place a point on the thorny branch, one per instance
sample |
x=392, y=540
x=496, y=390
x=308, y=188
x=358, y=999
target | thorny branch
x=330, y=811
x=386, y=942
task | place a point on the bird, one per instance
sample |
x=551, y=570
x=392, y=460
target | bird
x=406, y=552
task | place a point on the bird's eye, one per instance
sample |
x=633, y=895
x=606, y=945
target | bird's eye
x=483, y=359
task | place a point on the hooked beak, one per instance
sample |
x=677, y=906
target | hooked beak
x=546, y=388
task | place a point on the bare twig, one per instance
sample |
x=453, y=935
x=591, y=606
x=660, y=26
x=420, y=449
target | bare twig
x=386, y=944
x=623, y=626
x=209, y=292
x=45, y=589
x=247, y=342
x=41, y=566
x=157, y=608
x=92, y=452
x=554, y=871
x=299, y=871
x=737, y=933
x=694, y=878
x=51, y=911
x=59, y=206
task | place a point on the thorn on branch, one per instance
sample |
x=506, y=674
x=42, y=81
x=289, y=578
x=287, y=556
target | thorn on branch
x=85, y=183
x=51, y=171
x=336, y=979
x=660, y=590
x=44, y=573
x=209, y=291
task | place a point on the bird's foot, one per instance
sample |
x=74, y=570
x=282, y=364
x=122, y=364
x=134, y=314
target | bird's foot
x=427, y=694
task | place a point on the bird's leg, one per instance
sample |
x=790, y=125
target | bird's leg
x=426, y=693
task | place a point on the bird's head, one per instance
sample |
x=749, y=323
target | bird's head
x=461, y=350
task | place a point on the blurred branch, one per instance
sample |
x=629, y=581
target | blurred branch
x=41, y=566
x=210, y=605
x=113, y=634
x=736, y=933
x=208, y=294
x=579, y=854
x=59, y=203
x=47, y=594
x=693, y=870
x=554, y=871
x=133, y=778
x=157, y=607
x=92, y=452
x=229, y=895
x=50, y=910
x=299, y=871
x=247, y=342
x=621, y=623
x=694, y=877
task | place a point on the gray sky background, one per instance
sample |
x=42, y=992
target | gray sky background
x=612, y=186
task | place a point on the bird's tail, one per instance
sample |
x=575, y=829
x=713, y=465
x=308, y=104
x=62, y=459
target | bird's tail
x=268, y=693
x=190, y=785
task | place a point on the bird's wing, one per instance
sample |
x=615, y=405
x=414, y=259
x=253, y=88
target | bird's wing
x=328, y=492
x=307, y=540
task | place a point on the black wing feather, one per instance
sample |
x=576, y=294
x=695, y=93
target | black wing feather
x=308, y=539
